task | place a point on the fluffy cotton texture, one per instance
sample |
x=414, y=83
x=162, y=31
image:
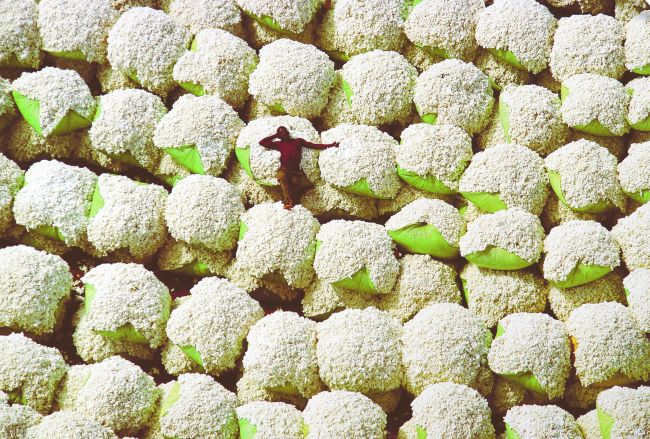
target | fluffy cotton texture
x=290, y=16
x=16, y=419
x=352, y=27
x=203, y=210
x=125, y=126
x=356, y=159
x=634, y=170
x=281, y=354
x=30, y=370
x=589, y=97
x=422, y=281
x=69, y=424
x=343, y=414
x=513, y=230
x=58, y=92
x=607, y=343
x=115, y=392
x=440, y=151
x=11, y=180
x=56, y=195
x=350, y=246
x=360, y=350
x=20, y=42
x=199, y=15
x=525, y=28
x=265, y=163
x=578, y=242
x=588, y=174
x=513, y=172
x=639, y=109
x=76, y=25
x=273, y=419
x=628, y=408
x=279, y=240
x=534, y=119
x=445, y=25
x=637, y=42
x=128, y=294
x=588, y=44
x=294, y=76
x=206, y=122
x=632, y=234
x=32, y=287
x=204, y=409
x=220, y=63
x=494, y=294
x=444, y=217
x=214, y=320
x=443, y=342
x=382, y=87
x=145, y=44
x=131, y=219
x=452, y=411
x=533, y=343
x=608, y=288
x=7, y=104
x=542, y=422
x=177, y=256
x=637, y=287
x=589, y=425
x=457, y=93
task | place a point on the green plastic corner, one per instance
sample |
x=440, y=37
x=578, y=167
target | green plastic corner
x=640, y=197
x=194, y=88
x=486, y=201
x=195, y=269
x=244, y=157
x=422, y=433
x=428, y=183
x=643, y=126
x=504, y=119
x=424, y=239
x=465, y=290
x=605, y=422
x=430, y=118
x=361, y=188
x=507, y=57
x=243, y=228
x=171, y=398
x=247, y=430
x=510, y=433
x=16, y=396
x=525, y=380
x=125, y=333
x=192, y=354
x=497, y=259
x=555, y=180
x=30, y=109
x=645, y=70
x=406, y=11
x=49, y=232
x=278, y=108
x=187, y=156
x=75, y=55
x=359, y=281
x=89, y=295
x=337, y=55
x=594, y=127
x=96, y=203
x=348, y=91
x=582, y=274
x=269, y=22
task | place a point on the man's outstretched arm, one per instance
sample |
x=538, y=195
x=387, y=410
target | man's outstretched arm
x=319, y=146
x=268, y=142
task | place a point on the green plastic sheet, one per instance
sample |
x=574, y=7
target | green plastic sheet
x=194, y=88
x=243, y=228
x=278, y=108
x=640, y=197
x=489, y=202
x=359, y=281
x=244, y=157
x=30, y=109
x=497, y=259
x=171, y=398
x=507, y=57
x=187, y=156
x=195, y=269
x=76, y=55
x=50, y=232
x=247, y=430
x=555, y=180
x=422, y=433
x=337, y=55
x=594, y=127
x=606, y=423
x=430, y=118
x=348, y=91
x=645, y=70
x=524, y=379
x=192, y=354
x=125, y=333
x=428, y=183
x=361, y=188
x=423, y=239
x=16, y=396
x=583, y=274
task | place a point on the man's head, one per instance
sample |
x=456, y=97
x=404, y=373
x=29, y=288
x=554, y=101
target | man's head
x=283, y=133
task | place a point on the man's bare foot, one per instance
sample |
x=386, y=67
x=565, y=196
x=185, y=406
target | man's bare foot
x=288, y=206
